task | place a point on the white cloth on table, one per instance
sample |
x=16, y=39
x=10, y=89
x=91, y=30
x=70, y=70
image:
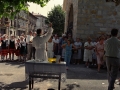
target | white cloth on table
x=88, y=53
x=39, y=42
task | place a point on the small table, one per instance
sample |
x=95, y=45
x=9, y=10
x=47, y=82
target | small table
x=34, y=69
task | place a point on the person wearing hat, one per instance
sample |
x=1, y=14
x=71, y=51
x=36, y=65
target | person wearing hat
x=88, y=50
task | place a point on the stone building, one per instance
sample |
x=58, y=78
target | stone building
x=32, y=22
x=40, y=21
x=90, y=17
x=7, y=26
x=21, y=23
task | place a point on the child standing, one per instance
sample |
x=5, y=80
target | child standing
x=18, y=49
x=4, y=51
x=11, y=48
x=23, y=50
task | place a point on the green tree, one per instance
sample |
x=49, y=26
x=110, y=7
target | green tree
x=9, y=8
x=57, y=17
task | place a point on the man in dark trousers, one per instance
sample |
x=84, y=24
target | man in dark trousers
x=112, y=53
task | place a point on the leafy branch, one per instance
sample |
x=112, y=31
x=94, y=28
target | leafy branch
x=9, y=8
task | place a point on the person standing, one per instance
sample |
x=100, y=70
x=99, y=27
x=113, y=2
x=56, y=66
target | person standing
x=68, y=52
x=99, y=48
x=112, y=53
x=63, y=48
x=4, y=50
x=11, y=47
x=29, y=40
x=39, y=42
x=23, y=49
x=77, y=52
x=33, y=48
x=56, y=45
x=18, y=46
x=49, y=48
x=88, y=51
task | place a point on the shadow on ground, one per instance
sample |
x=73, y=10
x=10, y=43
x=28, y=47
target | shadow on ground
x=14, y=86
x=81, y=72
x=72, y=87
x=13, y=63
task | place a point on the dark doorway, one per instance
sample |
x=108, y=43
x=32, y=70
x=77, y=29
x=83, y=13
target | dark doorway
x=70, y=21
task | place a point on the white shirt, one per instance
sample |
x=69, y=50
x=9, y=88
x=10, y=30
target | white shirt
x=112, y=47
x=56, y=41
x=23, y=43
x=50, y=46
x=87, y=51
x=39, y=42
x=29, y=38
x=78, y=44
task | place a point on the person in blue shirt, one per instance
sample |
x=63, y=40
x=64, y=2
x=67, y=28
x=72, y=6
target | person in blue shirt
x=68, y=51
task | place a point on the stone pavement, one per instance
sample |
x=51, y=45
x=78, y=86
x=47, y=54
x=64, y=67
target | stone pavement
x=12, y=77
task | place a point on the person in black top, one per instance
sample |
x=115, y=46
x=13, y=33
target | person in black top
x=17, y=52
x=11, y=48
x=23, y=49
x=4, y=50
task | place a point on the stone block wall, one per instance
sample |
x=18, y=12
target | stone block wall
x=95, y=16
x=74, y=3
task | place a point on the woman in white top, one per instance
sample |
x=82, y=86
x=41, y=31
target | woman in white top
x=88, y=50
x=56, y=44
x=49, y=48
x=77, y=52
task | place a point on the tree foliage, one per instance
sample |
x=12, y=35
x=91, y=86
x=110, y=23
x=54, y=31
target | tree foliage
x=9, y=8
x=57, y=17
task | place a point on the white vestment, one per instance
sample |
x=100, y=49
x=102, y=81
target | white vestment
x=39, y=42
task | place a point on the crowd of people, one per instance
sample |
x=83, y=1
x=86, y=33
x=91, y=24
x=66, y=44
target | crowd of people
x=72, y=51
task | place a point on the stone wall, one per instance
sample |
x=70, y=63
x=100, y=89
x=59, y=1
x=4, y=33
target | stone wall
x=92, y=17
x=95, y=16
x=75, y=15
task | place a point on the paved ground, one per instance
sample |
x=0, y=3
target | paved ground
x=12, y=77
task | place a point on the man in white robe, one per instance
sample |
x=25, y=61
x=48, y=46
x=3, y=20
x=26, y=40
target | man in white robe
x=39, y=42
